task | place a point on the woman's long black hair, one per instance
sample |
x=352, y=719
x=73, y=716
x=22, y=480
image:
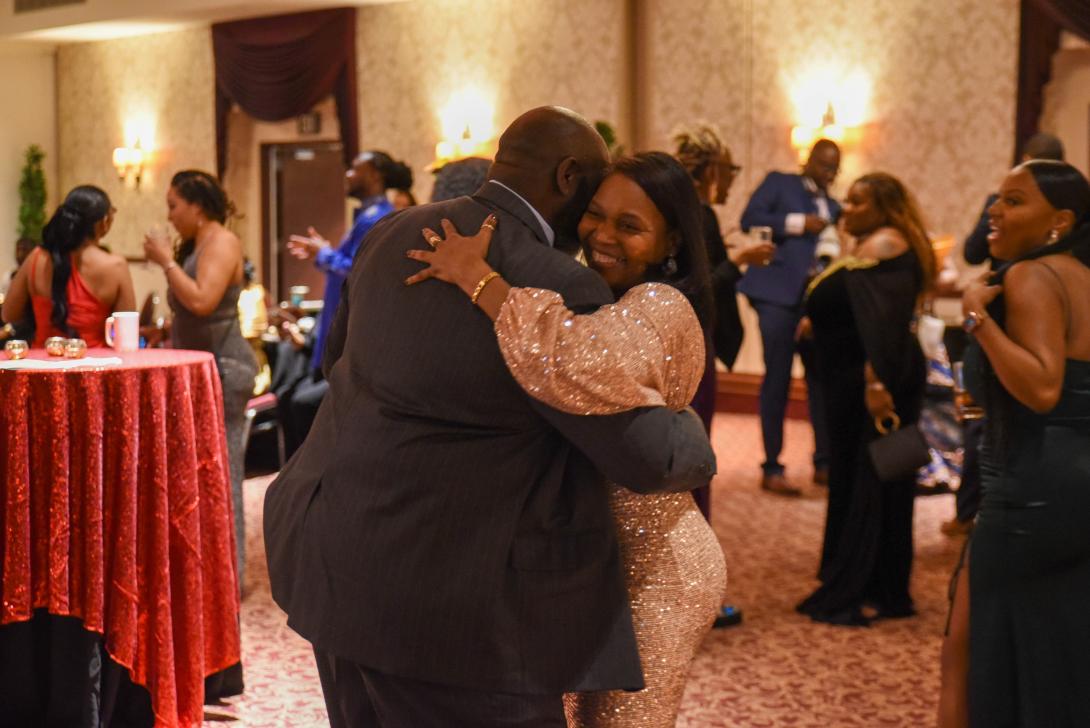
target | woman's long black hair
x=203, y=190
x=668, y=184
x=72, y=224
x=1065, y=188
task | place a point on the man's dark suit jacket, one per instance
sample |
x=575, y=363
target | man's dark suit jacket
x=438, y=524
x=782, y=281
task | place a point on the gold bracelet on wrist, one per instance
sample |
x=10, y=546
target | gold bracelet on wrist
x=488, y=278
x=168, y=268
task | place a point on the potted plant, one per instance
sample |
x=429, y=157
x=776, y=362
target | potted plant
x=32, y=195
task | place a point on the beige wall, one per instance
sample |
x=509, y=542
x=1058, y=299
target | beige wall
x=1067, y=104
x=942, y=79
x=521, y=53
x=161, y=83
x=941, y=108
x=29, y=117
x=940, y=111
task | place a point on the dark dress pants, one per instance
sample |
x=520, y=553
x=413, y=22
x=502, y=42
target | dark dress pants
x=778, y=325
x=358, y=697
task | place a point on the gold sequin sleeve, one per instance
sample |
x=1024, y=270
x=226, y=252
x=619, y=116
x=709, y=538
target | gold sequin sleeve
x=645, y=350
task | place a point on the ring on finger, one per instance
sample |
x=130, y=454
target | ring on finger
x=434, y=241
x=490, y=226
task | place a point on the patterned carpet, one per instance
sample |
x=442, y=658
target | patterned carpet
x=777, y=669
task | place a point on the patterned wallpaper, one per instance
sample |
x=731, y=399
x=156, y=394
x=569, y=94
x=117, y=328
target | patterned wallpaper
x=941, y=111
x=940, y=114
x=522, y=54
x=160, y=82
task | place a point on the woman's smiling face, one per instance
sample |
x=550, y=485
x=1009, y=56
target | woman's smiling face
x=622, y=233
x=1020, y=219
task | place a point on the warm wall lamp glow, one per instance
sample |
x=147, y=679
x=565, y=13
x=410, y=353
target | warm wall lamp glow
x=467, y=128
x=830, y=103
x=803, y=137
x=129, y=163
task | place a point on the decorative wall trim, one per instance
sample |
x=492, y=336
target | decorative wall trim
x=740, y=394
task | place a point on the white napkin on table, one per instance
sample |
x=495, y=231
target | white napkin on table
x=60, y=364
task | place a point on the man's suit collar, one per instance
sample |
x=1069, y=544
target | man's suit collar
x=509, y=202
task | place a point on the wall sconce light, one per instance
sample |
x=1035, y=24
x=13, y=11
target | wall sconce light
x=467, y=128
x=831, y=102
x=129, y=163
x=803, y=137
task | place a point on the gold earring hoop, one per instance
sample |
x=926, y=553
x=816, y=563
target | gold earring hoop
x=1053, y=236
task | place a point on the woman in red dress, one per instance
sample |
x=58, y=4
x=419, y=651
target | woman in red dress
x=72, y=283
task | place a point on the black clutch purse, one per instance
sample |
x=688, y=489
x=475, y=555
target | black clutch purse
x=899, y=452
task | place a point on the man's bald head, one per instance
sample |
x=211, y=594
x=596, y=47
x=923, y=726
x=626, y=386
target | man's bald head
x=542, y=137
x=554, y=158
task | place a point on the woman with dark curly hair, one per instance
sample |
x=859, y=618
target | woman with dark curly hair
x=204, y=278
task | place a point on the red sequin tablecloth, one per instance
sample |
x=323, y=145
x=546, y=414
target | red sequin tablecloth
x=116, y=509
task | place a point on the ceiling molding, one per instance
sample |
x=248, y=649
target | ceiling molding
x=96, y=20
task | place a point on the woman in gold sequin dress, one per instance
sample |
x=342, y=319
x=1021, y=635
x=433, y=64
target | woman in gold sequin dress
x=642, y=233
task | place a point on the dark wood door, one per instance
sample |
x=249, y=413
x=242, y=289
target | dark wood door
x=305, y=184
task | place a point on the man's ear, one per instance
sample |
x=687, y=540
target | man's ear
x=568, y=174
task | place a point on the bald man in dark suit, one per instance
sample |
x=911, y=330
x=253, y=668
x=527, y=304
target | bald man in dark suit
x=444, y=540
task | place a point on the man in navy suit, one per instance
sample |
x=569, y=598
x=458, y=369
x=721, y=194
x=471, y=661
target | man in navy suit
x=798, y=208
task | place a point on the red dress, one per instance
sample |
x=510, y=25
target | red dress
x=86, y=313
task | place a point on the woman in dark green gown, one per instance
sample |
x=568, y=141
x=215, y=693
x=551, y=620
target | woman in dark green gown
x=860, y=311
x=1029, y=559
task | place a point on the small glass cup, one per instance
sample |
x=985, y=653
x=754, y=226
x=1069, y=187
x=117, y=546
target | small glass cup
x=160, y=233
x=54, y=345
x=761, y=233
x=75, y=349
x=16, y=349
x=964, y=407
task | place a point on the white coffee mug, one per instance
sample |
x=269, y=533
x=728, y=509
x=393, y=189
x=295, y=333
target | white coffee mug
x=123, y=331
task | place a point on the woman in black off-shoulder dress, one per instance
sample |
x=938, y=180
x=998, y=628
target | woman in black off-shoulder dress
x=860, y=313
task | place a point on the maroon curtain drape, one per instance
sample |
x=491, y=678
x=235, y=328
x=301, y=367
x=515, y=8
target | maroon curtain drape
x=1042, y=21
x=278, y=67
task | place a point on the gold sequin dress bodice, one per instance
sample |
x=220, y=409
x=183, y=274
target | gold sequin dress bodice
x=645, y=350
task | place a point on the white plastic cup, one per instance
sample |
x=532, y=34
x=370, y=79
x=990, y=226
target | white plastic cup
x=123, y=331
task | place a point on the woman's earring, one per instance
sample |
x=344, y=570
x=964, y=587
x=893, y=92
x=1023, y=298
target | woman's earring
x=1053, y=236
x=669, y=266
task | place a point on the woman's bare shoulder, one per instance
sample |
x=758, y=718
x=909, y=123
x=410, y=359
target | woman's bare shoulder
x=882, y=244
x=225, y=243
